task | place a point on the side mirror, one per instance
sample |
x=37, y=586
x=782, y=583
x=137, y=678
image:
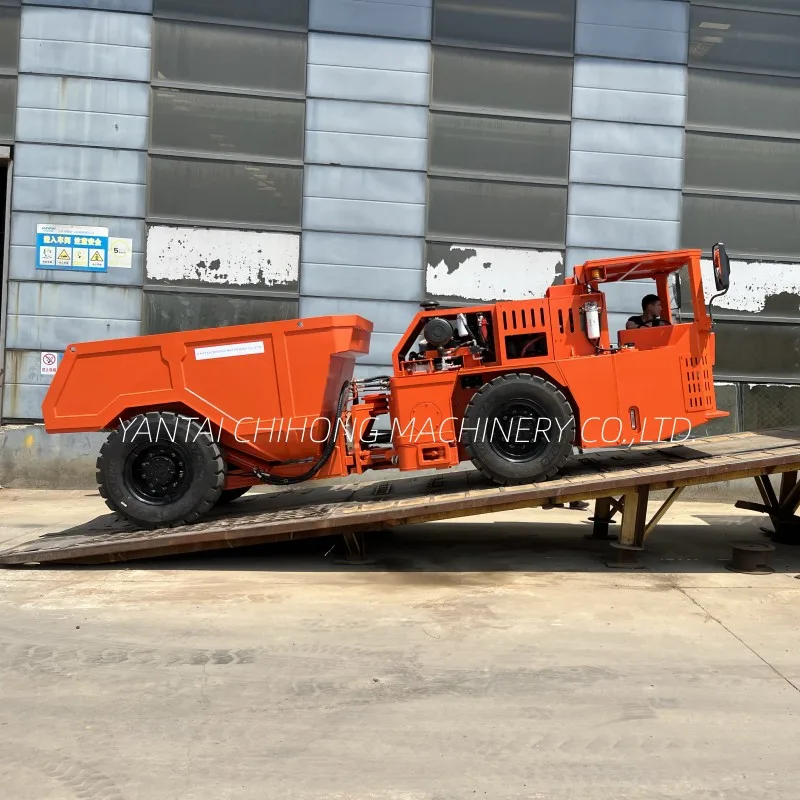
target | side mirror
x=722, y=267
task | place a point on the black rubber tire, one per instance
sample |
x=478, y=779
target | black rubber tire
x=204, y=467
x=485, y=449
x=229, y=495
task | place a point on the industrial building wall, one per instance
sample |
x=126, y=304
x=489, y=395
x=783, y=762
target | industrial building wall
x=79, y=159
x=275, y=158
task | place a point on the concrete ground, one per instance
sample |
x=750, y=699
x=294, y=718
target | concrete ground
x=496, y=657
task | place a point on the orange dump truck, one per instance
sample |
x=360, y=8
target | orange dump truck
x=196, y=418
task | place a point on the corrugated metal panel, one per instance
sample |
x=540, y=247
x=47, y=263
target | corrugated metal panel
x=381, y=347
x=357, y=250
x=372, y=85
x=80, y=128
x=23, y=227
x=84, y=59
x=35, y=299
x=622, y=170
x=22, y=401
x=365, y=184
x=386, y=315
x=626, y=139
x=650, y=30
x=404, y=19
x=78, y=197
x=352, y=217
x=22, y=266
x=621, y=106
x=630, y=76
x=378, y=119
x=360, y=150
x=79, y=25
x=24, y=367
x=132, y=6
x=365, y=216
x=27, y=332
x=333, y=280
x=232, y=259
x=84, y=94
x=164, y=312
x=622, y=234
x=617, y=201
x=361, y=68
x=80, y=163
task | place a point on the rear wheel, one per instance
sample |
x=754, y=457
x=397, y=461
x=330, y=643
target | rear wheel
x=519, y=428
x=160, y=469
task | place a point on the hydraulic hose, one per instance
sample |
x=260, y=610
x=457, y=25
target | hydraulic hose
x=327, y=452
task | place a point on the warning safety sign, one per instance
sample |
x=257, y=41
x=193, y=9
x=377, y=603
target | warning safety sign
x=97, y=258
x=71, y=247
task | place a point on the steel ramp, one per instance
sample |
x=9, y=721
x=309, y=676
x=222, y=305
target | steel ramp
x=311, y=510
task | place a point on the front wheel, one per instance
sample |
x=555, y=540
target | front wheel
x=159, y=470
x=519, y=428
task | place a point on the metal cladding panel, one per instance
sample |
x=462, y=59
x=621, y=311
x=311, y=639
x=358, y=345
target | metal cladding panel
x=359, y=250
x=26, y=332
x=538, y=25
x=58, y=195
x=79, y=163
x=623, y=170
x=614, y=105
x=737, y=102
x=622, y=234
x=364, y=216
x=229, y=56
x=404, y=19
x=84, y=59
x=580, y=255
x=131, y=6
x=366, y=69
x=377, y=119
x=165, y=312
x=30, y=298
x=22, y=401
x=623, y=138
x=391, y=186
x=22, y=260
x=630, y=76
x=368, y=283
x=23, y=227
x=387, y=316
x=624, y=202
x=289, y=14
x=80, y=25
x=746, y=164
x=210, y=122
x=81, y=128
x=362, y=150
x=649, y=30
x=84, y=94
x=761, y=352
x=748, y=226
x=8, y=93
x=381, y=347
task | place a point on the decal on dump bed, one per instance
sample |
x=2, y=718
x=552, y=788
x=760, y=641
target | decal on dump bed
x=228, y=350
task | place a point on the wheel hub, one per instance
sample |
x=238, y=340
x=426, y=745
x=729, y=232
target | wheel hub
x=520, y=431
x=159, y=473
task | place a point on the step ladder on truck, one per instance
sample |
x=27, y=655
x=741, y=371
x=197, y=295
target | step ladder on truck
x=196, y=418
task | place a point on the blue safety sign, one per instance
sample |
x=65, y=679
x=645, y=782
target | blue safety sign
x=70, y=247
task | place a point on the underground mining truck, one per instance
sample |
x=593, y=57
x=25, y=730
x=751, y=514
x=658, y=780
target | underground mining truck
x=196, y=418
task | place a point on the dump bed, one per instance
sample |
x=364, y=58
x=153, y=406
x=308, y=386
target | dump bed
x=268, y=376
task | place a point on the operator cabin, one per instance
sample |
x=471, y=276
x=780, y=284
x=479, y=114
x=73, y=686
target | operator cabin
x=650, y=316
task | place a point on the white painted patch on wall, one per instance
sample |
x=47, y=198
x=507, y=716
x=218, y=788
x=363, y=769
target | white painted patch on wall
x=752, y=282
x=215, y=256
x=493, y=273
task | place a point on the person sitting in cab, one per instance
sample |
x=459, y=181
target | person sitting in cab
x=651, y=314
